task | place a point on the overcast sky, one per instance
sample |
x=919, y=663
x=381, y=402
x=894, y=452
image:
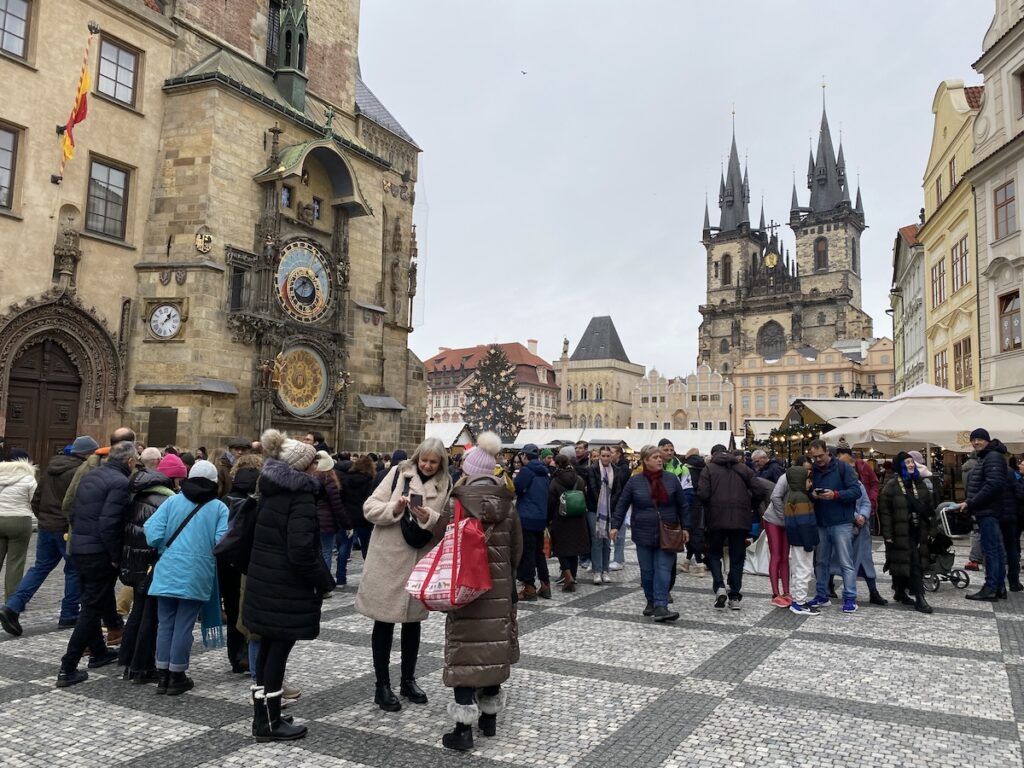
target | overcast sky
x=577, y=189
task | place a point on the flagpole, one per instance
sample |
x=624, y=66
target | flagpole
x=94, y=29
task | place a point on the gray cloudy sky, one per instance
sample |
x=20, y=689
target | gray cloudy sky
x=577, y=189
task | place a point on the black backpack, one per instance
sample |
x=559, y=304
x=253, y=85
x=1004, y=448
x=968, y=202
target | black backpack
x=236, y=547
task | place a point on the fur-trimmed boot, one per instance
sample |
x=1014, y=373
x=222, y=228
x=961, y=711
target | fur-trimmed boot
x=490, y=706
x=271, y=727
x=461, y=739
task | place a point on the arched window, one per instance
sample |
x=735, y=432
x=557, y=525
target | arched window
x=854, y=258
x=599, y=393
x=583, y=392
x=568, y=394
x=302, y=53
x=583, y=422
x=727, y=269
x=821, y=318
x=288, y=48
x=597, y=422
x=771, y=341
x=725, y=367
x=723, y=347
x=821, y=253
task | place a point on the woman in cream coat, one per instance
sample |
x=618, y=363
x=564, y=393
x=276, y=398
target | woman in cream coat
x=390, y=560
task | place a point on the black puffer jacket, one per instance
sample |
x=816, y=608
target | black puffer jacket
x=149, y=490
x=355, y=490
x=988, y=492
x=725, y=489
x=100, y=510
x=287, y=575
x=49, y=495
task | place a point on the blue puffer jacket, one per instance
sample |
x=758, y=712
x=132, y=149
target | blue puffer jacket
x=532, y=495
x=989, y=493
x=100, y=510
x=840, y=477
x=644, y=521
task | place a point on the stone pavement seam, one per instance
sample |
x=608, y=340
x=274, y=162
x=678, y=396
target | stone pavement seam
x=196, y=750
x=738, y=659
x=597, y=672
x=859, y=641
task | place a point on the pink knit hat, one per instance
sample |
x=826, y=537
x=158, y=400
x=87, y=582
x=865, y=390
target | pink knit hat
x=480, y=460
x=172, y=467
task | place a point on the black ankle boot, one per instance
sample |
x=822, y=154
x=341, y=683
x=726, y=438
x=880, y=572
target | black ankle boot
x=460, y=739
x=269, y=725
x=877, y=599
x=412, y=691
x=178, y=684
x=488, y=724
x=163, y=678
x=385, y=698
x=903, y=598
x=921, y=605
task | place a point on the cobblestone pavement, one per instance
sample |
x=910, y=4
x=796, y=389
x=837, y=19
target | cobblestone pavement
x=597, y=686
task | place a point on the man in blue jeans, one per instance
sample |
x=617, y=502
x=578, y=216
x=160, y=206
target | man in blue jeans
x=989, y=499
x=835, y=494
x=50, y=546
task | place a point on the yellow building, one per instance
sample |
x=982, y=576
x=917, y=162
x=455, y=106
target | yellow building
x=701, y=401
x=948, y=237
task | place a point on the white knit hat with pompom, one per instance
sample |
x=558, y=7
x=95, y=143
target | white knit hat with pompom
x=480, y=460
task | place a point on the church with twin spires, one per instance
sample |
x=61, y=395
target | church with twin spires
x=763, y=300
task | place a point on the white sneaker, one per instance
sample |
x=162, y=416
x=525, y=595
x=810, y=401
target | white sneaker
x=606, y=578
x=699, y=569
x=684, y=566
x=616, y=567
x=597, y=579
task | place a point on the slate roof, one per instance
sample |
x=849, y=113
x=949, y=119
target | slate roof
x=600, y=342
x=370, y=107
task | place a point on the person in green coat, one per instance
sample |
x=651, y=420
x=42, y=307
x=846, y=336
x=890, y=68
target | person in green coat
x=904, y=512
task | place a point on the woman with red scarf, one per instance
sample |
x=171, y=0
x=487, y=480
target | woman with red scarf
x=656, y=497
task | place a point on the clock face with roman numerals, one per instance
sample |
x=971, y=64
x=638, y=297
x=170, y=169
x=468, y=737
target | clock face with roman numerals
x=304, y=282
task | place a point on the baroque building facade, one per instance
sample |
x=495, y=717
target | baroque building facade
x=451, y=372
x=948, y=237
x=701, y=401
x=597, y=380
x=759, y=299
x=998, y=169
x=906, y=299
x=247, y=260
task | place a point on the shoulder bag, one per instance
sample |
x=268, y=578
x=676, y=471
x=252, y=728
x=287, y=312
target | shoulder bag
x=147, y=580
x=414, y=536
x=671, y=536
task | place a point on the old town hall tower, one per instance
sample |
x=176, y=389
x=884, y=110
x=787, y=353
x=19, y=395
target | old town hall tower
x=760, y=299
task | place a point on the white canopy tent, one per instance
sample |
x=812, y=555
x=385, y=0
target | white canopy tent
x=455, y=434
x=635, y=439
x=927, y=415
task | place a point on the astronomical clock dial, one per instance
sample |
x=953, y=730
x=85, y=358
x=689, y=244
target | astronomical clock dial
x=165, y=321
x=771, y=260
x=304, y=282
x=303, y=381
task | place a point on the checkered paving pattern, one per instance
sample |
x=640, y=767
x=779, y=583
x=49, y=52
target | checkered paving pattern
x=598, y=686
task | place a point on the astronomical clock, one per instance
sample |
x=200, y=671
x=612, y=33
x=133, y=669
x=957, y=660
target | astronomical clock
x=304, y=282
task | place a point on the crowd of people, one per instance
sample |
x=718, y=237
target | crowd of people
x=250, y=544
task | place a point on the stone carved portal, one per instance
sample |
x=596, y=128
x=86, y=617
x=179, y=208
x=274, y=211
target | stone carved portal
x=81, y=335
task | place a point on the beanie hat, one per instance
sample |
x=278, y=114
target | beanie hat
x=546, y=453
x=398, y=456
x=84, y=444
x=324, y=461
x=187, y=459
x=916, y=456
x=665, y=441
x=203, y=470
x=292, y=452
x=569, y=452
x=480, y=460
x=172, y=467
x=981, y=434
x=149, y=454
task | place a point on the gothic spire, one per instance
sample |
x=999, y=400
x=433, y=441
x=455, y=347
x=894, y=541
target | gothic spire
x=707, y=217
x=827, y=185
x=859, y=207
x=794, y=204
x=735, y=194
x=762, y=226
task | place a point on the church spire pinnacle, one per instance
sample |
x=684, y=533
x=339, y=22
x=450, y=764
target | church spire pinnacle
x=735, y=193
x=827, y=179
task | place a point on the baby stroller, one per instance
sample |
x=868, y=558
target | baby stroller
x=940, y=554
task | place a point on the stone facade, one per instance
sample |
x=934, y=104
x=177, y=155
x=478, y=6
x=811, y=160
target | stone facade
x=907, y=301
x=451, y=372
x=765, y=388
x=268, y=219
x=701, y=401
x=759, y=298
x=948, y=238
x=998, y=170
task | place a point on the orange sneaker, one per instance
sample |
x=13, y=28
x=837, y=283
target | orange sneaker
x=780, y=602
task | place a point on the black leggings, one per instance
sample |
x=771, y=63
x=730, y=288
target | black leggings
x=271, y=661
x=467, y=696
x=381, y=640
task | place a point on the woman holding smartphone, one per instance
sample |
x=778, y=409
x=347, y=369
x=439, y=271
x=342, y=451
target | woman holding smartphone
x=415, y=489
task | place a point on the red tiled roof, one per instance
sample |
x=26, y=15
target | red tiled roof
x=909, y=233
x=974, y=94
x=452, y=359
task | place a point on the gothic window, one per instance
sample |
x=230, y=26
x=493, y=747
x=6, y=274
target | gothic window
x=854, y=259
x=597, y=422
x=583, y=392
x=820, y=254
x=716, y=270
x=273, y=30
x=599, y=394
x=568, y=395
x=771, y=340
x=727, y=269
x=723, y=347
x=583, y=422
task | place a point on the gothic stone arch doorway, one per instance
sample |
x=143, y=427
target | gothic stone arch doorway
x=43, y=402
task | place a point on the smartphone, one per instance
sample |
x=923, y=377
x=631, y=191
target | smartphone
x=821, y=490
x=416, y=499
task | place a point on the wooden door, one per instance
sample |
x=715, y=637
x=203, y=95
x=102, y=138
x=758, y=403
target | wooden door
x=42, y=405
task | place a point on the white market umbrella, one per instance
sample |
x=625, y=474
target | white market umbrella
x=927, y=415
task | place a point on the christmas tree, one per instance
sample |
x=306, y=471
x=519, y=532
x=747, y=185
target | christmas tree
x=491, y=401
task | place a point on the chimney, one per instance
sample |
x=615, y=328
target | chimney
x=531, y=344
x=444, y=349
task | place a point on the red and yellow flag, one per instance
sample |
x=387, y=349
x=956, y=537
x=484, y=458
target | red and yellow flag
x=78, y=114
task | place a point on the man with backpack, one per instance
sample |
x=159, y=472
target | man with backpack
x=531, y=486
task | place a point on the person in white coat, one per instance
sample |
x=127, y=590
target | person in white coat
x=17, y=484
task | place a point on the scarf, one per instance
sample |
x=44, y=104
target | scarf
x=604, y=500
x=914, y=504
x=658, y=493
x=210, y=620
